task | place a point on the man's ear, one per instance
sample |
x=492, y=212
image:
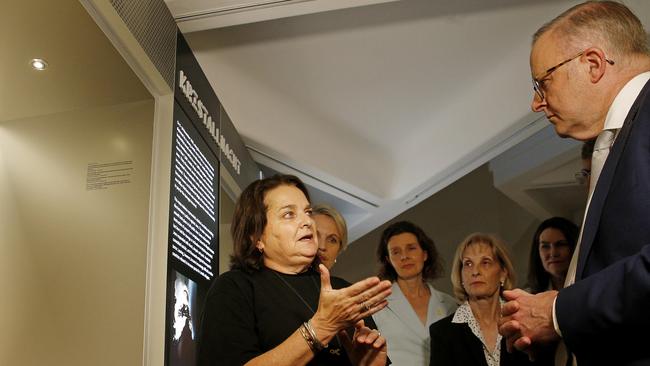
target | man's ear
x=597, y=62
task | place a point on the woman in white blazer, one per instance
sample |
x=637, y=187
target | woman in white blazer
x=408, y=257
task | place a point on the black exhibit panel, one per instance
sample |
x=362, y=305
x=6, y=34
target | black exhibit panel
x=205, y=148
x=194, y=202
x=193, y=237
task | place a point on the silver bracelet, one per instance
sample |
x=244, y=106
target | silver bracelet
x=305, y=334
x=312, y=333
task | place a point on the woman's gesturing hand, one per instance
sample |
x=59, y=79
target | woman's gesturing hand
x=343, y=308
x=366, y=348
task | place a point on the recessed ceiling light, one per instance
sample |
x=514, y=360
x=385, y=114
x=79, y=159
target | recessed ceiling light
x=38, y=64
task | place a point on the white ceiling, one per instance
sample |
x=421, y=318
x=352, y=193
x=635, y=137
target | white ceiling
x=377, y=106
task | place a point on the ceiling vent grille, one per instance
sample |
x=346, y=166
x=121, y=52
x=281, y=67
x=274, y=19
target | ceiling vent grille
x=153, y=26
x=229, y=7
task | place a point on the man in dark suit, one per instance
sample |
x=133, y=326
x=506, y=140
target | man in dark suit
x=591, y=67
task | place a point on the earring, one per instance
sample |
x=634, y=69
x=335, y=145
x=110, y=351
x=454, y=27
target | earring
x=334, y=260
x=502, y=283
x=261, y=250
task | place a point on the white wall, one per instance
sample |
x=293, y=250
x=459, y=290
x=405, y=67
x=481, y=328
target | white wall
x=73, y=261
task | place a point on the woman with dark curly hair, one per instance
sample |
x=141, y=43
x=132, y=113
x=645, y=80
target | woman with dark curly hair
x=409, y=259
x=550, y=254
x=274, y=307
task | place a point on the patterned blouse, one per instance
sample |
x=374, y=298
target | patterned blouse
x=464, y=315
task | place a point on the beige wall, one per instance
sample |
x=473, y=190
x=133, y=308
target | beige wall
x=19, y=285
x=73, y=261
x=468, y=205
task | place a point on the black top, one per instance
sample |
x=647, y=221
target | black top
x=247, y=314
x=454, y=344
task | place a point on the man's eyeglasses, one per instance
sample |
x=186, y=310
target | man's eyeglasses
x=582, y=177
x=537, y=82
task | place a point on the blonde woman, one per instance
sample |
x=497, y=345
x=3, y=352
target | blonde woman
x=481, y=270
x=332, y=233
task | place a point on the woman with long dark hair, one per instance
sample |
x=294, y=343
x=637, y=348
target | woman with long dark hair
x=550, y=254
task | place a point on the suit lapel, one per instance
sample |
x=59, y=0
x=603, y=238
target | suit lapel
x=400, y=306
x=475, y=347
x=436, y=309
x=604, y=183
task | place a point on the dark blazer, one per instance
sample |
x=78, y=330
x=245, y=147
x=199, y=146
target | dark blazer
x=454, y=344
x=602, y=313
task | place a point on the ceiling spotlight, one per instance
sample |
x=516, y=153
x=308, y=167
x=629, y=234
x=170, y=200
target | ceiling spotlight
x=38, y=64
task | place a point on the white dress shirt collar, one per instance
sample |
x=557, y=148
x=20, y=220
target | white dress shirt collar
x=624, y=100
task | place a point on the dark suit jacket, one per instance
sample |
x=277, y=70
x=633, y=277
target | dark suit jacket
x=609, y=304
x=454, y=344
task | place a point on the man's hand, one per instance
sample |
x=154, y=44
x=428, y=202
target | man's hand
x=527, y=320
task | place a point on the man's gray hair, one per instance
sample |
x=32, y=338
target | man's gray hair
x=611, y=24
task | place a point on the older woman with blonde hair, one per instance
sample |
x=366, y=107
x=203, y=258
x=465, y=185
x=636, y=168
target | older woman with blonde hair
x=332, y=233
x=481, y=270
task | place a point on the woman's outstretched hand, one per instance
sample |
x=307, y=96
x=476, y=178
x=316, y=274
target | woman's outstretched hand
x=366, y=347
x=344, y=308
